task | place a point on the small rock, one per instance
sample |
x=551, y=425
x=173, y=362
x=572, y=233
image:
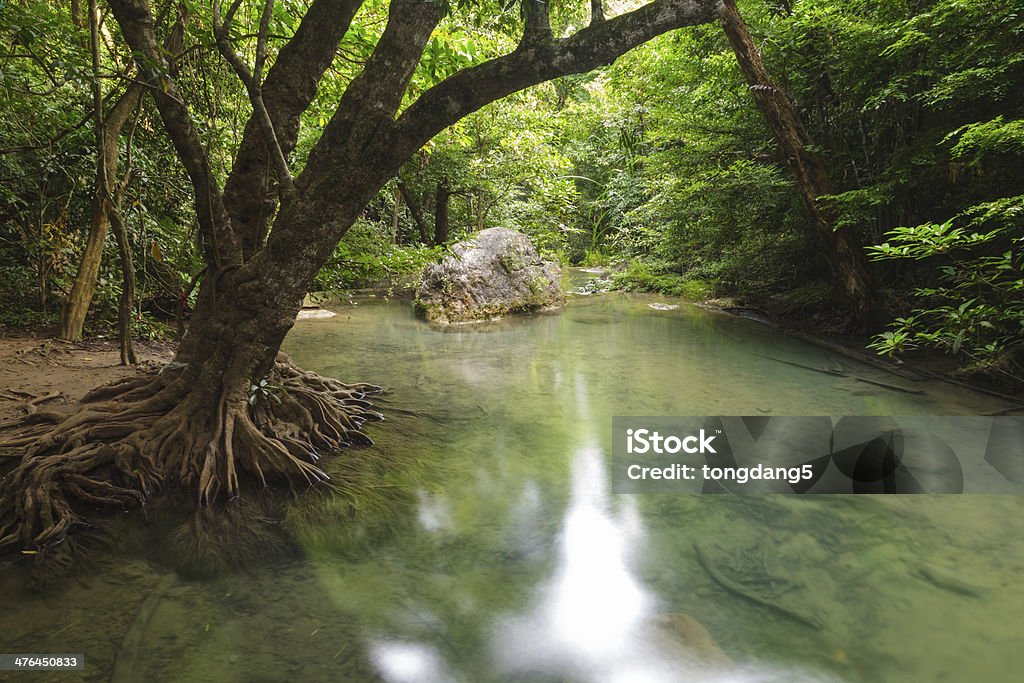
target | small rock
x=314, y=314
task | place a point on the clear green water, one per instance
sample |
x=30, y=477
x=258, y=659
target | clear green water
x=516, y=563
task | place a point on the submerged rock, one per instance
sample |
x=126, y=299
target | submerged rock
x=494, y=273
x=687, y=637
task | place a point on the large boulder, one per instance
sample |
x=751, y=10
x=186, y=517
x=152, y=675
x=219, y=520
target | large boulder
x=493, y=273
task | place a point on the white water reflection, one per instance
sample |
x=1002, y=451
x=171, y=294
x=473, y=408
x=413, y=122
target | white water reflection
x=433, y=512
x=594, y=620
x=585, y=618
x=408, y=663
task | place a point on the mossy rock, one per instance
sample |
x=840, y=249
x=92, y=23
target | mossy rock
x=495, y=273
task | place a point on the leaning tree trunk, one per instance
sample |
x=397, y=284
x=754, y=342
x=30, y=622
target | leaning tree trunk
x=415, y=211
x=844, y=254
x=76, y=307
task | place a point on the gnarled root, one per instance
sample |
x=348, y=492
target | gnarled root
x=129, y=439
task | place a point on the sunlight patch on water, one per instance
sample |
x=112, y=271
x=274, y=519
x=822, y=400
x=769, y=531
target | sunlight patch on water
x=594, y=620
x=408, y=663
x=433, y=512
x=588, y=613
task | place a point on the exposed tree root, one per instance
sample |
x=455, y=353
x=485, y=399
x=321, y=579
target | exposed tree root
x=131, y=438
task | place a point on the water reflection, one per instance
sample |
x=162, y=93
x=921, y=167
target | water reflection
x=516, y=564
x=408, y=663
x=587, y=614
x=433, y=512
x=595, y=621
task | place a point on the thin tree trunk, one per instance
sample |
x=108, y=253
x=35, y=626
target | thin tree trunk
x=76, y=13
x=103, y=201
x=126, y=305
x=441, y=198
x=416, y=211
x=842, y=250
x=76, y=306
x=396, y=212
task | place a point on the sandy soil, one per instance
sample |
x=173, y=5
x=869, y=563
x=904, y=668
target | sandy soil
x=50, y=374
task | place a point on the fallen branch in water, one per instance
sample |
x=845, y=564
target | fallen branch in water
x=1005, y=411
x=824, y=371
x=834, y=372
x=736, y=588
x=886, y=385
x=128, y=653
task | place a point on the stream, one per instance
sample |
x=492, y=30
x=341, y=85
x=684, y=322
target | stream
x=511, y=560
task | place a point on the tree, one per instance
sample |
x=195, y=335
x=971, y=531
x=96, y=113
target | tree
x=105, y=197
x=842, y=250
x=203, y=423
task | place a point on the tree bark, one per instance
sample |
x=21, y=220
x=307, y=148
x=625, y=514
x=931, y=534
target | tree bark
x=842, y=250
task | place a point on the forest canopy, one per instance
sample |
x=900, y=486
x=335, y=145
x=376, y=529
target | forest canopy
x=660, y=160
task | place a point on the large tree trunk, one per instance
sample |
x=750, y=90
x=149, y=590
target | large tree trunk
x=844, y=254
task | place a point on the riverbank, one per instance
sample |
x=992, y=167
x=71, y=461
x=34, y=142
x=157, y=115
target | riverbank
x=38, y=373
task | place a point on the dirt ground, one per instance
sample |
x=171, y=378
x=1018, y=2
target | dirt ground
x=46, y=374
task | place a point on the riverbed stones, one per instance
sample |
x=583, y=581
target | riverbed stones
x=494, y=273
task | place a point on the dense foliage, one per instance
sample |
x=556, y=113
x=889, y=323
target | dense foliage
x=659, y=166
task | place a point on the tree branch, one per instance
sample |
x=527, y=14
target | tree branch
x=290, y=87
x=364, y=146
x=369, y=104
x=261, y=41
x=538, y=23
x=596, y=12
x=253, y=85
x=591, y=47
